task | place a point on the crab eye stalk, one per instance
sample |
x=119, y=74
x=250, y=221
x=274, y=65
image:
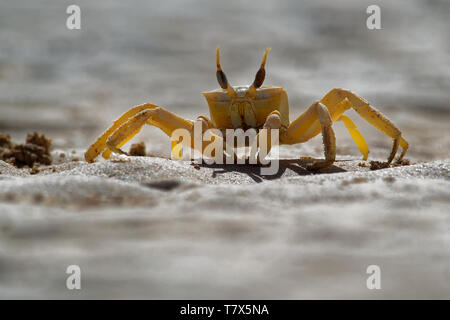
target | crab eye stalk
x=221, y=77
x=261, y=74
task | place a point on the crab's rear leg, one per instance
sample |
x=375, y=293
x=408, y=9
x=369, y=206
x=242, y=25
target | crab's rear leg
x=372, y=115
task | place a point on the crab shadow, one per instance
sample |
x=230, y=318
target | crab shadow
x=296, y=167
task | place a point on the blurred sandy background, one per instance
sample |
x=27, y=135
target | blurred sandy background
x=295, y=236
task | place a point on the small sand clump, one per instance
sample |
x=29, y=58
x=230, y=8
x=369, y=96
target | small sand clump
x=35, y=150
x=403, y=162
x=138, y=150
x=5, y=141
x=376, y=165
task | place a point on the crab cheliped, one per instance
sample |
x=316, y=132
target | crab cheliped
x=258, y=107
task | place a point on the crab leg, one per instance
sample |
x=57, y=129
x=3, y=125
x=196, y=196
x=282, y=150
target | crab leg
x=329, y=139
x=167, y=121
x=204, y=124
x=125, y=129
x=100, y=144
x=356, y=135
x=306, y=126
x=130, y=123
x=372, y=115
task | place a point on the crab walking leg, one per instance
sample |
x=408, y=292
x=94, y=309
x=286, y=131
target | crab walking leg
x=315, y=119
x=329, y=139
x=167, y=121
x=372, y=115
x=405, y=145
x=356, y=135
x=107, y=153
x=202, y=124
x=100, y=144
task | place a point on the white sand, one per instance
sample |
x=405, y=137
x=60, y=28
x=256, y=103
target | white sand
x=221, y=235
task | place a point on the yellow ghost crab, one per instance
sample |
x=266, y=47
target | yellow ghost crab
x=256, y=106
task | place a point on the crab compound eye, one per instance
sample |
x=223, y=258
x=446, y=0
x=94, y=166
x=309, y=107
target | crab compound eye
x=261, y=74
x=222, y=79
x=259, y=78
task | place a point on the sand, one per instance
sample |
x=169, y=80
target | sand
x=148, y=227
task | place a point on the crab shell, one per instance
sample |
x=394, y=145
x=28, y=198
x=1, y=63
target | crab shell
x=244, y=109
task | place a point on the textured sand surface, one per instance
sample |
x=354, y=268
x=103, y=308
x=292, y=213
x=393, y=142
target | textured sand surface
x=155, y=228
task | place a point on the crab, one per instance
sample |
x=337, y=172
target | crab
x=256, y=106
